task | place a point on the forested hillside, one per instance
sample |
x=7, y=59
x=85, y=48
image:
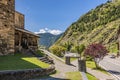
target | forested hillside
x=47, y=39
x=98, y=25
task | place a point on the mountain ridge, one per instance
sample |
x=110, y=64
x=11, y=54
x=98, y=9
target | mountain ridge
x=98, y=25
x=47, y=39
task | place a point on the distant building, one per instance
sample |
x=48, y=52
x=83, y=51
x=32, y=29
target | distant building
x=13, y=36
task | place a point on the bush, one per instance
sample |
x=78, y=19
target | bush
x=88, y=58
x=40, y=53
x=58, y=50
x=80, y=49
x=113, y=48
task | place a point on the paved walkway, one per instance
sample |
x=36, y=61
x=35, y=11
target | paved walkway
x=62, y=68
x=97, y=74
x=100, y=75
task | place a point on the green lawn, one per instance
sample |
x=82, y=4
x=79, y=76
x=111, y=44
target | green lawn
x=71, y=59
x=77, y=76
x=91, y=77
x=18, y=61
x=91, y=64
x=74, y=76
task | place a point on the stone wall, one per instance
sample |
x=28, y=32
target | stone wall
x=19, y=20
x=7, y=26
x=26, y=74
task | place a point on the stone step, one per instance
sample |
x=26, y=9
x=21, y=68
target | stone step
x=46, y=60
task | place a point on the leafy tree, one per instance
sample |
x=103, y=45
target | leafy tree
x=97, y=51
x=98, y=25
x=80, y=49
x=57, y=50
x=68, y=45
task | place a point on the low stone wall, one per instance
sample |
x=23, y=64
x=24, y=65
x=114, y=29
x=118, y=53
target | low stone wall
x=25, y=74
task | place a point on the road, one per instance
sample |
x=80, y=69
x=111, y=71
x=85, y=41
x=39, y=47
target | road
x=112, y=65
x=62, y=69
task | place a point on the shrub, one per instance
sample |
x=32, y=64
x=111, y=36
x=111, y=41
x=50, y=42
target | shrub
x=80, y=49
x=88, y=58
x=40, y=53
x=58, y=50
x=68, y=46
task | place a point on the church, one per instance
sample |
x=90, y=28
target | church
x=13, y=35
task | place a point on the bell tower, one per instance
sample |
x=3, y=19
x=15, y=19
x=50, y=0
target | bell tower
x=7, y=28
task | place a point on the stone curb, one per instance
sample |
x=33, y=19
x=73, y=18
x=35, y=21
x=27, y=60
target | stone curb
x=25, y=74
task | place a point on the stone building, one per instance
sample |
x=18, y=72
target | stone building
x=13, y=36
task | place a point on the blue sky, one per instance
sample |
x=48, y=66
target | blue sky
x=52, y=15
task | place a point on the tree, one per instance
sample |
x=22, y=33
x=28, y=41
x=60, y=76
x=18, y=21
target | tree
x=68, y=45
x=80, y=49
x=57, y=50
x=97, y=51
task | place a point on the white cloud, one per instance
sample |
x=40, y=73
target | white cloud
x=55, y=32
x=46, y=30
x=41, y=31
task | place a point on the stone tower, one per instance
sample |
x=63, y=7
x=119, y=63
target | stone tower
x=7, y=31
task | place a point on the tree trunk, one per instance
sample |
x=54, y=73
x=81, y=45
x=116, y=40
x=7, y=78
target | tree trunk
x=96, y=64
x=80, y=56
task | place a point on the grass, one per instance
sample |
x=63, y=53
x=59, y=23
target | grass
x=19, y=61
x=77, y=76
x=91, y=64
x=40, y=53
x=91, y=77
x=73, y=76
x=71, y=59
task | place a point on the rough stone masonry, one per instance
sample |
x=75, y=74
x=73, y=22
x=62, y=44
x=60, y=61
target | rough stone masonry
x=7, y=11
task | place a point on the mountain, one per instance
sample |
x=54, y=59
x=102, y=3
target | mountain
x=98, y=25
x=47, y=39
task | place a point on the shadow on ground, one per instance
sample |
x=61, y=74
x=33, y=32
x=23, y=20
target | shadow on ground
x=114, y=72
x=71, y=65
x=49, y=78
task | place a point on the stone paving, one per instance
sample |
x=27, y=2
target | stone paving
x=62, y=68
x=97, y=74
